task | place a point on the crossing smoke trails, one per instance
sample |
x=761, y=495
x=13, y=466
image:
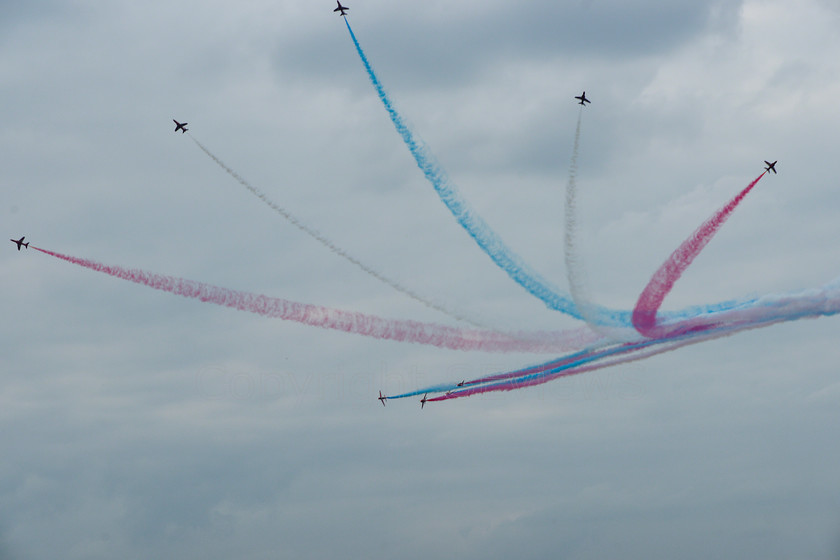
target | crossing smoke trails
x=316, y=235
x=659, y=339
x=347, y=321
x=767, y=311
x=655, y=339
x=625, y=336
x=489, y=241
x=478, y=229
x=675, y=329
x=651, y=298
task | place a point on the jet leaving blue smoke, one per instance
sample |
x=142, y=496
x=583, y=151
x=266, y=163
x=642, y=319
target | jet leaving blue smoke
x=490, y=242
x=486, y=238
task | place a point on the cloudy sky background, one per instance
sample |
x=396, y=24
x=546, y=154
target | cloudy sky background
x=137, y=424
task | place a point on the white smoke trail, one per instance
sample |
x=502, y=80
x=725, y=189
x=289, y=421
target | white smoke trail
x=332, y=246
x=575, y=271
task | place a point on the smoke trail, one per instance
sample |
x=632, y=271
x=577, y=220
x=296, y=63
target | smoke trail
x=568, y=361
x=489, y=241
x=332, y=246
x=565, y=370
x=573, y=271
x=627, y=354
x=574, y=267
x=769, y=310
x=651, y=298
x=475, y=226
x=347, y=321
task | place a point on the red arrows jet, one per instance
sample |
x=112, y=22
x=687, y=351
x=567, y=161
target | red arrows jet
x=20, y=242
x=341, y=8
x=583, y=99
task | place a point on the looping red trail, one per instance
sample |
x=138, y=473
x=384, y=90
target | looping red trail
x=662, y=282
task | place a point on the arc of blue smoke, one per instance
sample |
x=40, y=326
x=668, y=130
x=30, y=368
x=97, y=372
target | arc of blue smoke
x=478, y=229
x=490, y=242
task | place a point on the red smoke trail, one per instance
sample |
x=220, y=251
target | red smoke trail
x=768, y=310
x=528, y=381
x=627, y=353
x=531, y=370
x=660, y=285
x=348, y=321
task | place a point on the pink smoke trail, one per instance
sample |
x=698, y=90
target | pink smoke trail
x=768, y=310
x=417, y=332
x=627, y=353
x=660, y=285
x=564, y=361
x=521, y=383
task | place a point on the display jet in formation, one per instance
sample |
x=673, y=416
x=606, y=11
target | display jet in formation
x=341, y=8
x=382, y=398
x=583, y=99
x=20, y=242
x=180, y=126
x=771, y=166
x=423, y=401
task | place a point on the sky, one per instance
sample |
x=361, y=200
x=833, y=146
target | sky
x=138, y=424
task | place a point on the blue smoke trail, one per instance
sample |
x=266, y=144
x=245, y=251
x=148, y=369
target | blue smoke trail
x=478, y=229
x=490, y=242
x=768, y=310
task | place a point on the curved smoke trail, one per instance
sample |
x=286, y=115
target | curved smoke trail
x=660, y=285
x=474, y=225
x=320, y=238
x=763, y=312
x=347, y=321
x=575, y=272
x=770, y=310
x=490, y=242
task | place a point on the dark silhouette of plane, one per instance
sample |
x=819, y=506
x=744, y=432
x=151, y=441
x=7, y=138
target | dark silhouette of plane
x=461, y=384
x=771, y=166
x=423, y=401
x=180, y=126
x=583, y=99
x=341, y=8
x=20, y=242
x=382, y=398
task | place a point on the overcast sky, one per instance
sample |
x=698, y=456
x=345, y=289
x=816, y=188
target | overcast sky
x=136, y=424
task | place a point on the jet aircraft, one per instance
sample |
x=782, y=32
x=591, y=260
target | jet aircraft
x=341, y=8
x=771, y=166
x=583, y=99
x=423, y=401
x=382, y=398
x=20, y=242
x=180, y=126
